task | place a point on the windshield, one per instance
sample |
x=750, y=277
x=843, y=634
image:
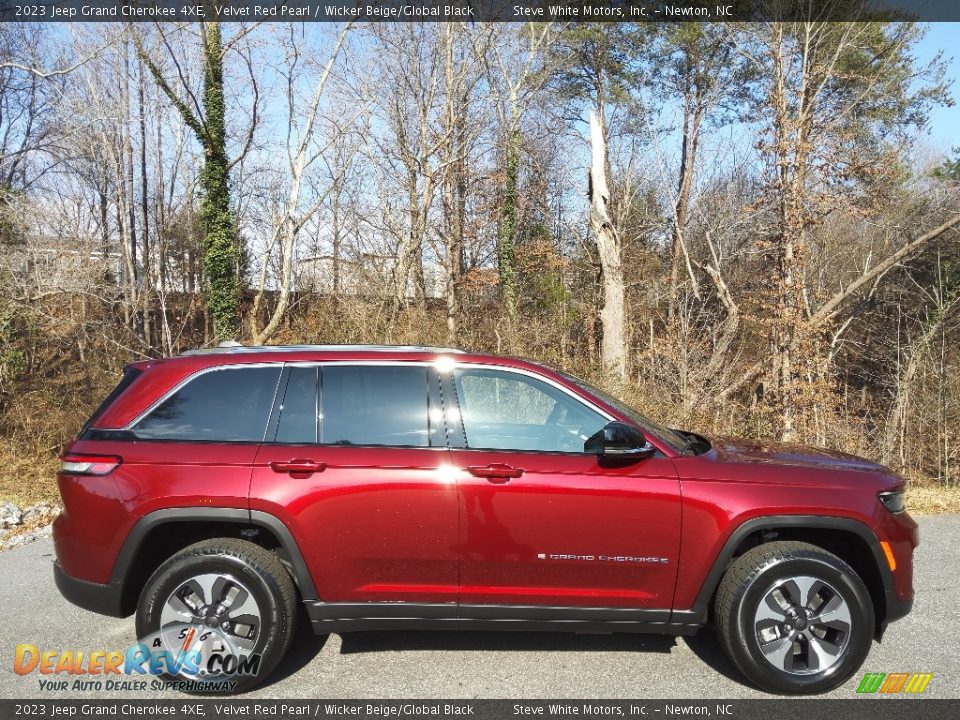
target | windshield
x=671, y=437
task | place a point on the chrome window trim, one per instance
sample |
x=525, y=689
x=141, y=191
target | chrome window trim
x=190, y=378
x=459, y=364
x=536, y=376
x=401, y=363
x=542, y=378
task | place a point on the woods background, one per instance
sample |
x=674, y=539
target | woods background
x=741, y=229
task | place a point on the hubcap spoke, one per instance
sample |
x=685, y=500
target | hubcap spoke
x=770, y=610
x=820, y=653
x=835, y=610
x=243, y=604
x=802, y=588
x=779, y=653
x=206, y=584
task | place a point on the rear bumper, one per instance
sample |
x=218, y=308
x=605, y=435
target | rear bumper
x=104, y=599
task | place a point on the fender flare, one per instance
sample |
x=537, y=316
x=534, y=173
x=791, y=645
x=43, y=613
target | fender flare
x=257, y=518
x=773, y=522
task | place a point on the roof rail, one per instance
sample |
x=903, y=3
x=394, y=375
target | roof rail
x=232, y=347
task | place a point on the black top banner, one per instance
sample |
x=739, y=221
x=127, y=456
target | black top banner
x=475, y=10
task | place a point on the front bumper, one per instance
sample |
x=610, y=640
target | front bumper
x=897, y=609
x=104, y=599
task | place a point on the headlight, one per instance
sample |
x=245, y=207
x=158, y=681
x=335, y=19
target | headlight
x=894, y=501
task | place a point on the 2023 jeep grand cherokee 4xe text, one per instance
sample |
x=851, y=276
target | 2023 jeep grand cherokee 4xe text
x=216, y=492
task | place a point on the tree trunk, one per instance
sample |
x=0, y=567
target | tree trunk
x=335, y=192
x=454, y=184
x=692, y=118
x=221, y=256
x=508, y=226
x=613, y=347
x=791, y=152
x=129, y=191
x=144, y=210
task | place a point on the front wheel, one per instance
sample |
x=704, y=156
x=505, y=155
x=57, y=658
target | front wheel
x=217, y=617
x=794, y=618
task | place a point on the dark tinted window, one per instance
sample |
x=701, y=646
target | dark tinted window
x=298, y=411
x=231, y=404
x=369, y=405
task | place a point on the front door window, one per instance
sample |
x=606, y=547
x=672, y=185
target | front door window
x=509, y=411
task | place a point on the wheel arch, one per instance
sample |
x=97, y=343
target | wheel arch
x=851, y=540
x=149, y=543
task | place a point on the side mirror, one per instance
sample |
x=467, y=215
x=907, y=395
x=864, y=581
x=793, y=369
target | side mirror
x=617, y=440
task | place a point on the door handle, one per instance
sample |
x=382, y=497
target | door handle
x=496, y=472
x=298, y=466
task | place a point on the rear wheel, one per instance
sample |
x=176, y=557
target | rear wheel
x=794, y=618
x=220, y=613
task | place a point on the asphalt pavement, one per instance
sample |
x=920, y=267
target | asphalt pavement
x=455, y=664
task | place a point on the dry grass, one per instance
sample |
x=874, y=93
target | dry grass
x=27, y=478
x=45, y=409
x=932, y=500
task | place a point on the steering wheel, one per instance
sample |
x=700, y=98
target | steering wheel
x=554, y=417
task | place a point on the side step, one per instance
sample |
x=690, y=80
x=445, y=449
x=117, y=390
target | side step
x=352, y=617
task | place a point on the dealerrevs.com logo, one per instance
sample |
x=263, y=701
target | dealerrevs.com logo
x=894, y=683
x=185, y=658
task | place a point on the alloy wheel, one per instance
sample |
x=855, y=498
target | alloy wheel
x=802, y=625
x=219, y=608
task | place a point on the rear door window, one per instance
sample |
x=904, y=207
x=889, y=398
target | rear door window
x=374, y=405
x=298, y=408
x=226, y=405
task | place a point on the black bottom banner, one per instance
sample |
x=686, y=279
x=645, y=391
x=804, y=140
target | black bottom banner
x=192, y=708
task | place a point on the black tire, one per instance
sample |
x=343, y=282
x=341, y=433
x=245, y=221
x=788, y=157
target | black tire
x=764, y=573
x=258, y=570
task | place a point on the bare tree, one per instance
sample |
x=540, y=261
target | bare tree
x=302, y=152
x=605, y=234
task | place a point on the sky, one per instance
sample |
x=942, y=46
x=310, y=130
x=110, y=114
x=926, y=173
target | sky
x=944, y=122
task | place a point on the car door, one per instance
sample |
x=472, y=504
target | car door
x=357, y=467
x=544, y=523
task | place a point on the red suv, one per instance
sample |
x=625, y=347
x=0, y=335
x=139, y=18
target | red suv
x=216, y=492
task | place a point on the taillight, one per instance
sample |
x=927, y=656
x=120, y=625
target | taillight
x=77, y=464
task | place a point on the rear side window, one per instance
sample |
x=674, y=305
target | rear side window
x=129, y=375
x=374, y=405
x=226, y=405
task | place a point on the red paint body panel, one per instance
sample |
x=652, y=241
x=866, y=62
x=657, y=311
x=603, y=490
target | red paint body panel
x=382, y=524
x=100, y=511
x=569, y=505
x=376, y=524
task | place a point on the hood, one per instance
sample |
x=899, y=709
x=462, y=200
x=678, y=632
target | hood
x=774, y=453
